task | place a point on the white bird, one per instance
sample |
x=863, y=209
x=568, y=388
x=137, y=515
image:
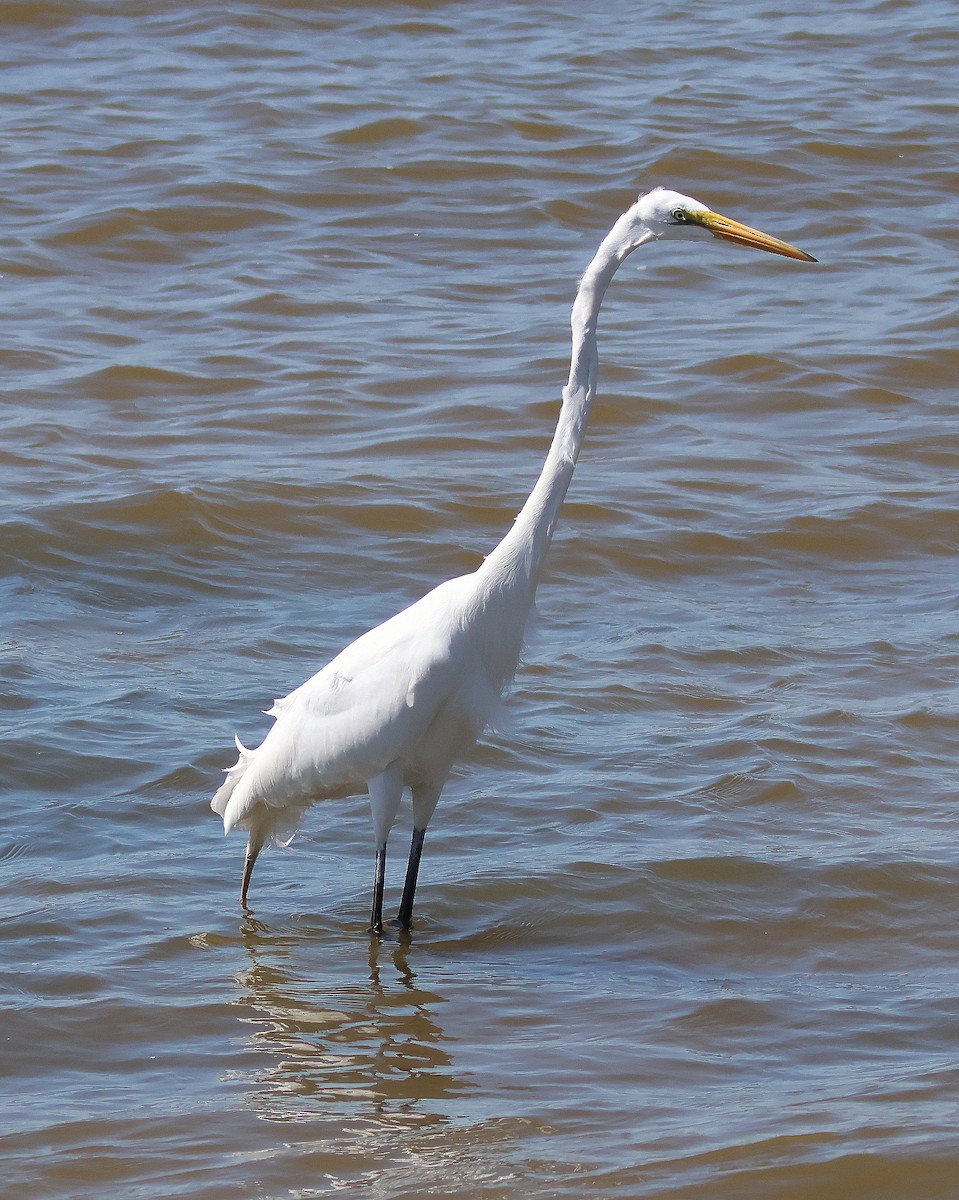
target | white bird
x=404, y=702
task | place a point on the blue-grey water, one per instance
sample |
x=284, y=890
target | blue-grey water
x=286, y=292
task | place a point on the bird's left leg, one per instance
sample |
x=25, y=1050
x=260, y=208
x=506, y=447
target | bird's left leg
x=386, y=791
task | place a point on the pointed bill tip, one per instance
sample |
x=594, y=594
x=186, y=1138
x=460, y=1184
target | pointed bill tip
x=744, y=235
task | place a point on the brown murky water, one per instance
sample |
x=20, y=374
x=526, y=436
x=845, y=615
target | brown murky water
x=286, y=292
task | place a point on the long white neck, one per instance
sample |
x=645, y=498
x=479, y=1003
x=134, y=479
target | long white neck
x=515, y=564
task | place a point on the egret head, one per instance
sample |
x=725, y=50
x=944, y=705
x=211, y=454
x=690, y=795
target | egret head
x=671, y=214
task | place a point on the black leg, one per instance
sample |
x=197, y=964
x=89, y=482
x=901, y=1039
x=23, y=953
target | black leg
x=405, y=915
x=379, y=879
x=253, y=847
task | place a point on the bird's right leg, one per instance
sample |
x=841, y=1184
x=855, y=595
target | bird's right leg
x=253, y=847
x=405, y=916
x=425, y=798
x=386, y=791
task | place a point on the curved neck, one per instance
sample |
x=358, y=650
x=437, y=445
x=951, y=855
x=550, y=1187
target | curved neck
x=516, y=562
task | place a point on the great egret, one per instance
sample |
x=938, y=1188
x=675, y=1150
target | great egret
x=404, y=702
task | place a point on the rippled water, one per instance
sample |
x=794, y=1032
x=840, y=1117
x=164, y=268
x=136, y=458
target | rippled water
x=286, y=296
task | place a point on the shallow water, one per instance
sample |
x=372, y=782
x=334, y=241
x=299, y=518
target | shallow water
x=287, y=293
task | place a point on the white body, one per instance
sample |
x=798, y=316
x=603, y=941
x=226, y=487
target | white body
x=405, y=700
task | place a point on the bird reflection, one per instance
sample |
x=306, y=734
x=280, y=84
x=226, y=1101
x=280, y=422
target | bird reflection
x=360, y=1048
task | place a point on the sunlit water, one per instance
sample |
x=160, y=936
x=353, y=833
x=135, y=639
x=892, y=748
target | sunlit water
x=286, y=292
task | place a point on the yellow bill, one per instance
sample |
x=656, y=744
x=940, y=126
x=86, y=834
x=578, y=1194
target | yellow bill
x=734, y=231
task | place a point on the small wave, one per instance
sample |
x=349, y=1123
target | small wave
x=115, y=229
x=387, y=129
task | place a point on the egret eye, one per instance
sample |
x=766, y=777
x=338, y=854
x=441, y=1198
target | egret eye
x=678, y=215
